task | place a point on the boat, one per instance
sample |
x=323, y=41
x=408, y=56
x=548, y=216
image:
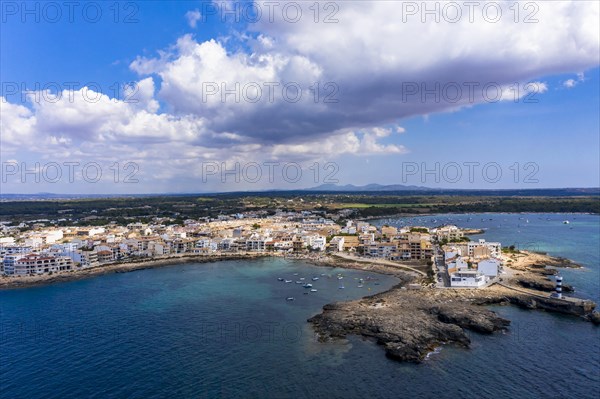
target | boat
x=298, y=282
x=341, y=287
x=340, y=277
x=295, y=274
x=302, y=278
x=280, y=279
x=313, y=290
x=289, y=298
x=307, y=285
x=566, y=222
x=315, y=278
x=288, y=281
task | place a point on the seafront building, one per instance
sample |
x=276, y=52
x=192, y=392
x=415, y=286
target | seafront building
x=473, y=263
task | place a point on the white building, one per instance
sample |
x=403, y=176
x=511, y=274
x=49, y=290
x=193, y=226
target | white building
x=467, y=278
x=40, y=264
x=489, y=267
x=474, y=249
x=337, y=244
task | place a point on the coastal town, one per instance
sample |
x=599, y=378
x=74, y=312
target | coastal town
x=444, y=254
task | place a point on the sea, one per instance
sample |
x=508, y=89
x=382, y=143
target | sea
x=227, y=330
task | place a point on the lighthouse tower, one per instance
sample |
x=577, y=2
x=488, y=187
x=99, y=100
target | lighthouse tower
x=559, y=286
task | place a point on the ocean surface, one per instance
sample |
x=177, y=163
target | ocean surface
x=226, y=330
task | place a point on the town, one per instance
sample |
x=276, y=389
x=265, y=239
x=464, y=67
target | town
x=444, y=254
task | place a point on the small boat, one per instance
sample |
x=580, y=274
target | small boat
x=298, y=282
x=295, y=274
x=302, y=278
x=566, y=222
x=289, y=298
x=280, y=279
x=288, y=281
x=360, y=286
x=306, y=293
x=315, y=278
x=308, y=285
x=340, y=277
x=313, y=290
x=341, y=287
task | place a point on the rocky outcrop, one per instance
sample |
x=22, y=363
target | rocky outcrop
x=594, y=317
x=411, y=323
x=542, y=284
x=408, y=324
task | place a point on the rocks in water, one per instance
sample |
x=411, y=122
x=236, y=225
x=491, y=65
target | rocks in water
x=410, y=325
x=594, y=317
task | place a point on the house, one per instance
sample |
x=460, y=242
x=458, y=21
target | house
x=489, y=267
x=467, y=278
x=337, y=243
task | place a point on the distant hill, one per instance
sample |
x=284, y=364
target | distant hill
x=368, y=187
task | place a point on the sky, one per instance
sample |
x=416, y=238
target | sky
x=199, y=96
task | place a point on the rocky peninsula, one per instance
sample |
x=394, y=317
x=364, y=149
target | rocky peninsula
x=413, y=318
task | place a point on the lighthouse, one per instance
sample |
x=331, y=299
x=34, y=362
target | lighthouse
x=559, y=287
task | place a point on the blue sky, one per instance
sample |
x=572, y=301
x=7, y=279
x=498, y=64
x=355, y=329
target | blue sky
x=172, y=138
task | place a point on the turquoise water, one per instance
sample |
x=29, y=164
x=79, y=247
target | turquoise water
x=225, y=330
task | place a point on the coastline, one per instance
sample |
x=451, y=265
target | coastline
x=124, y=267
x=409, y=320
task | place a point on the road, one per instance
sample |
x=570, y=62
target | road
x=441, y=268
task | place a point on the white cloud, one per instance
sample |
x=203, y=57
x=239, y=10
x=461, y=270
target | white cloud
x=366, y=63
x=192, y=17
x=570, y=83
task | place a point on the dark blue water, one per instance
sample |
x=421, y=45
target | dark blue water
x=226, y=330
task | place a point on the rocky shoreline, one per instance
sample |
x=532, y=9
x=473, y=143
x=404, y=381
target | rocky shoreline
x=410, y=323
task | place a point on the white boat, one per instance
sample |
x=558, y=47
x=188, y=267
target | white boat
x=341, y=287
x=289, y=298
x=280, y=279
x=315, y=278
x=298, y=282
x=566, y=222
x=313, y=290
x=302, y=278
x=308, y=285
x=360, y=286
x=288, y=281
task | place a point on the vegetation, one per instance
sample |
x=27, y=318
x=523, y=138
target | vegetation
x=124, y=210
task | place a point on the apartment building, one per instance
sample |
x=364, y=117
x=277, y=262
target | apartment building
x=38, y=264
